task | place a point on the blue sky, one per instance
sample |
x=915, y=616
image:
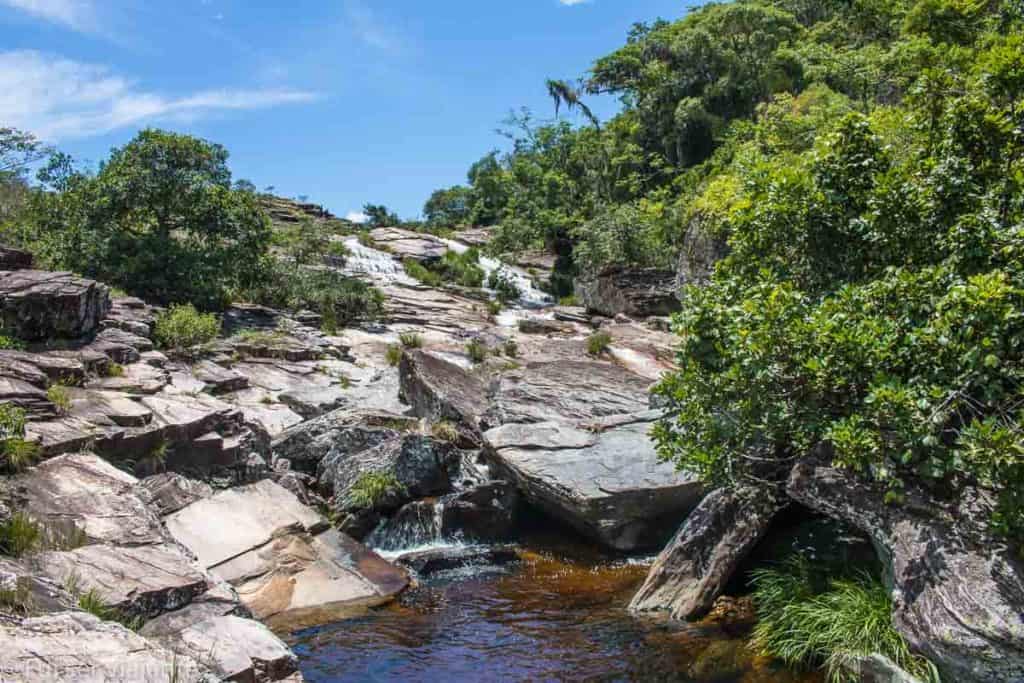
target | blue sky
x=346, y=101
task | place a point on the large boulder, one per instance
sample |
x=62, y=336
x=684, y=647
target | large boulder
x=38, y=305
x=281, y=556
x=14, y=259
x=958, y=592
x=438, y=389
x=605, y=480
x=79, y=648
x=635, y=292
x=692, y=570
x=408, y=244
x=698, y=256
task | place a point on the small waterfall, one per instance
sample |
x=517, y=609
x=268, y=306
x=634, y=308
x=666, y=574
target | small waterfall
x=372, y=263
x=417, y=526
x=529, y=295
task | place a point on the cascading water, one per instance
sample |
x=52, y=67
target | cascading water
x=529, y=295
x=418, y=526
x=372, y=263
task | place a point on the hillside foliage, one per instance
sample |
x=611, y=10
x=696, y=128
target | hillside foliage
x=863, y=162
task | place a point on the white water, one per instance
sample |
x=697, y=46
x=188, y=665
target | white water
x=372, y=263
x=529, y=295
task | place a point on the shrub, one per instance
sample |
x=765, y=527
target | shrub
x=411, y=340
x=445, y=431
x=9, y=343
x=338, y=251
x=598, y=343
x=494, y=307
x=372, y=488
x=570, y=300
x=114, y=369
x=19, y=535
x=418, y=271
x=339, y=299
x=93, y=602
x=504, y=287
x=807, y=626
x=477, y=351
x=18, y=599
x=183, y=327
x=511, y=348
x=60, y=397
x=394, y=355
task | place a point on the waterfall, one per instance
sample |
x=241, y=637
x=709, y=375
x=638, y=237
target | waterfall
x=372, y=263
x=417, y=526
x=529, y=295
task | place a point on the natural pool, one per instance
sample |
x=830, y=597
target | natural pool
x=559, y=614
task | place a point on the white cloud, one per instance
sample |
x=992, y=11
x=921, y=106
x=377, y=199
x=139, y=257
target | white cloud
x=357, y=217
x=77, y=14
x=58, y=98
x=570, y=3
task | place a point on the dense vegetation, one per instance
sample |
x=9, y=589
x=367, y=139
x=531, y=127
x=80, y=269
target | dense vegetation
x=862, y=162
x=161, y=219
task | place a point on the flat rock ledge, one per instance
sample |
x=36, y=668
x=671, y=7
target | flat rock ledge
x=280, y=555
x=604, y=480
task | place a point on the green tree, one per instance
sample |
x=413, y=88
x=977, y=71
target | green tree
x=160, y=219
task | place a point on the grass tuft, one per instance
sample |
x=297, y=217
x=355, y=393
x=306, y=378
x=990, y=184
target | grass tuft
x=477, y=351
x=372, y=488
x=445, y=431
x=60, y=397
x=411, y=340
x=19, y=535
x=598, y=343
x=394, y=355
x=806, y=624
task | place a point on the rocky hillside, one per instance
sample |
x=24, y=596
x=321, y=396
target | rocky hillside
x=184, y=507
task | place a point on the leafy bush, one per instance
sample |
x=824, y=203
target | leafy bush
x=341, y=300
x=505, y=288
x=808, y=625
x=598, y=343
x=19, y=535
x=418, y=271
x=183, y=327
x=494, y=307
x=477, y=351
x=373, y=488
x=511, y=348
x=411, y=340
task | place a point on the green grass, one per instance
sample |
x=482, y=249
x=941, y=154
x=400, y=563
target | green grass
x=60, y=397
x=808, y=625
x=17, y=600
x=570, y=300
x=494, y=307
x=394, y=355
x=372, y=488
x=598, y=343
x=261, y=337
x=411, y=340
x=19, y=535
x=477, y=351
x=114, y=369
x=417, y=271
x=18, y=453
x=183, y=327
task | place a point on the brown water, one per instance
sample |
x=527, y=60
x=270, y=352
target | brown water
x=559, y=615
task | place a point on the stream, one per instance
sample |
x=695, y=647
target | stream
x=558, y=613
